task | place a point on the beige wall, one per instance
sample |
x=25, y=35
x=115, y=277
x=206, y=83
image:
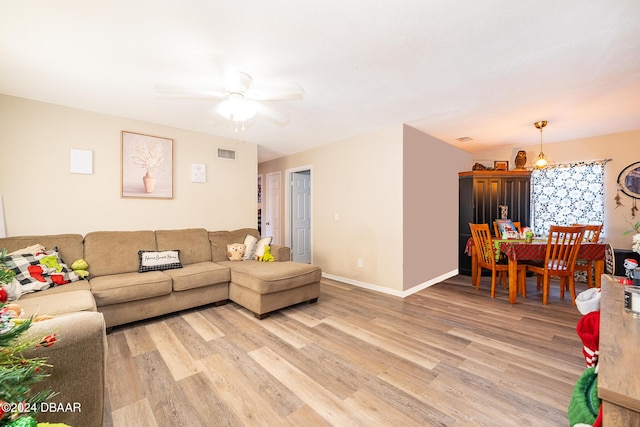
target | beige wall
x=40, y=196
x=622, y=148
x=360, y=180
x=395, y=192
x=430, y=210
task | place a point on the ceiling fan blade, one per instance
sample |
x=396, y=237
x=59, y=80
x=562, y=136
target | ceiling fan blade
x=172, y=92
x=286, y=92
x=277, y=117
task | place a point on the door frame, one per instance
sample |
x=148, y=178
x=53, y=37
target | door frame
x=260, y=199
x=288, y=206
x=267, y=200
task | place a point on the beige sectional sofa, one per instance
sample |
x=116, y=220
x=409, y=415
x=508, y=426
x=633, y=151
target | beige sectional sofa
x=116, y=293
x=123, y=295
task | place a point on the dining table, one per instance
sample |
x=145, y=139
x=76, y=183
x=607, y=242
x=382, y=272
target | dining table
x=520, y=250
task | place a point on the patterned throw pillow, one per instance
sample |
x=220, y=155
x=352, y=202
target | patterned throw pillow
x=250, y=243
x=39, y=271
x=159, y=260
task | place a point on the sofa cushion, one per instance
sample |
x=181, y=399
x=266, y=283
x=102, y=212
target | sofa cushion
x=69, y=287
x=269, y=277
x=159, y=260
x=220, y=239
x=125, y=287
x=58, y=303
x=116, y=252
x=198, y=275
x=193, y=244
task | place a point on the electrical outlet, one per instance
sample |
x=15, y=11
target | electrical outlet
x=360, y=262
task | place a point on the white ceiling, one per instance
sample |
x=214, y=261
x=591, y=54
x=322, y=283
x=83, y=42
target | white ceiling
x=483, y=69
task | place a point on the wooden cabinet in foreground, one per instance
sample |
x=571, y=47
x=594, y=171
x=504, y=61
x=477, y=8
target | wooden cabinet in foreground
x=619, y=360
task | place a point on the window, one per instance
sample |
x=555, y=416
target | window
x=567, y=194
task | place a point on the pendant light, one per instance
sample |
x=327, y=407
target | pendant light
x=541, y=162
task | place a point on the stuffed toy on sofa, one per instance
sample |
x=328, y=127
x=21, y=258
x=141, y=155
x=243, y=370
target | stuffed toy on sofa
x=80, y=268
x=267, y=256
x=235, y=251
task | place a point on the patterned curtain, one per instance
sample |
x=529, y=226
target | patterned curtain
x=567, y=194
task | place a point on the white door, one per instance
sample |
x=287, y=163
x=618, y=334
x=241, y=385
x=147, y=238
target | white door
x=271, y=222
x=301, y=216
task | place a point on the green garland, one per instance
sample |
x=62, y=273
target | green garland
x=19, y=407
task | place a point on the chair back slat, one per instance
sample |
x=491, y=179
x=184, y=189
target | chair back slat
x=563, y=245
x=484, y=244
x=591, y=232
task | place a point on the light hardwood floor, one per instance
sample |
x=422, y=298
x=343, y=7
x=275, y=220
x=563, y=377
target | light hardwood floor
x=448, y=355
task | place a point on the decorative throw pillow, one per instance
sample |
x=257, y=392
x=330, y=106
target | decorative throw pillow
x=39, y=271
x=33, y=249
x=265, y=241
x=235, y=251
x=250, y=243
x=159, y=260
x=507, y=229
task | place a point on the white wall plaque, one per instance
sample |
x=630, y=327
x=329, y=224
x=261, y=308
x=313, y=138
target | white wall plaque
x=198, y=172
x=81, y=161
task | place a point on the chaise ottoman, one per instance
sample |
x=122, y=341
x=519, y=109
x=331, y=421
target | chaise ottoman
x=263, y=287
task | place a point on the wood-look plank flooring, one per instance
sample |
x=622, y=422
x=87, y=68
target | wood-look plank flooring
x=449, y=355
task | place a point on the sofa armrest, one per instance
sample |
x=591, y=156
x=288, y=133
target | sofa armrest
x=78, y=360
x=281, y=253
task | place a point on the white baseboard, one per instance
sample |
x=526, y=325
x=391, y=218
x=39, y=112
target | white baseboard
x=389, y=291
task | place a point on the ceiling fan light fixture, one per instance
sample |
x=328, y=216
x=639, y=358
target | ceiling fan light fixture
x=541, y=162
x=236, y=108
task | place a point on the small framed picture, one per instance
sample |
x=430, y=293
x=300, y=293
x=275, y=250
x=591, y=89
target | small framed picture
x=501, y=165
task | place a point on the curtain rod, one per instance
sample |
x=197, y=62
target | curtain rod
x=575, y=164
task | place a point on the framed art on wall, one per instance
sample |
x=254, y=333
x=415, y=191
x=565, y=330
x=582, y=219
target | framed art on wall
x=146, y=166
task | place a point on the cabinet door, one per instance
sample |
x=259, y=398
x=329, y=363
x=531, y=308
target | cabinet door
x=516, y=193
x=486, y=199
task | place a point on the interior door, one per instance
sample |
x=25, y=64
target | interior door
x=301, y=216
x=271, y=226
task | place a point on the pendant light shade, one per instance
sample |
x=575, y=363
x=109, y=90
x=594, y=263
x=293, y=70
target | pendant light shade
x=541, y=162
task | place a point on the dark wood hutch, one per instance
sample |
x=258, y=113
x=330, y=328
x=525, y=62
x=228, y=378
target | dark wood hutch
x=480, y=195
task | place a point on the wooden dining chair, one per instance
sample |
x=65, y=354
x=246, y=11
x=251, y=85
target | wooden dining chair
x=563, y=245
x=487, y=259
x=496, y=228
x=591, y=235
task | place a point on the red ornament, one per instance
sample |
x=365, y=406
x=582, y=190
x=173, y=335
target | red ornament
x=47, y=341
x=3, y=294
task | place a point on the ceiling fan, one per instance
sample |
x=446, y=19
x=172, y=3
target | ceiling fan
x=239, y=99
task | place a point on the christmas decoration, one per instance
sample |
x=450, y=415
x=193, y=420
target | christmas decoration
x=23, y=422
x=18, y=405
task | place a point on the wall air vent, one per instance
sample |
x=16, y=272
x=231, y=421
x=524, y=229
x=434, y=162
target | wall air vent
x=224, y=153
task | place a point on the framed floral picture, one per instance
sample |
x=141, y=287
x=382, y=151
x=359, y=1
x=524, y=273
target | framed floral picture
x=146, y=166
